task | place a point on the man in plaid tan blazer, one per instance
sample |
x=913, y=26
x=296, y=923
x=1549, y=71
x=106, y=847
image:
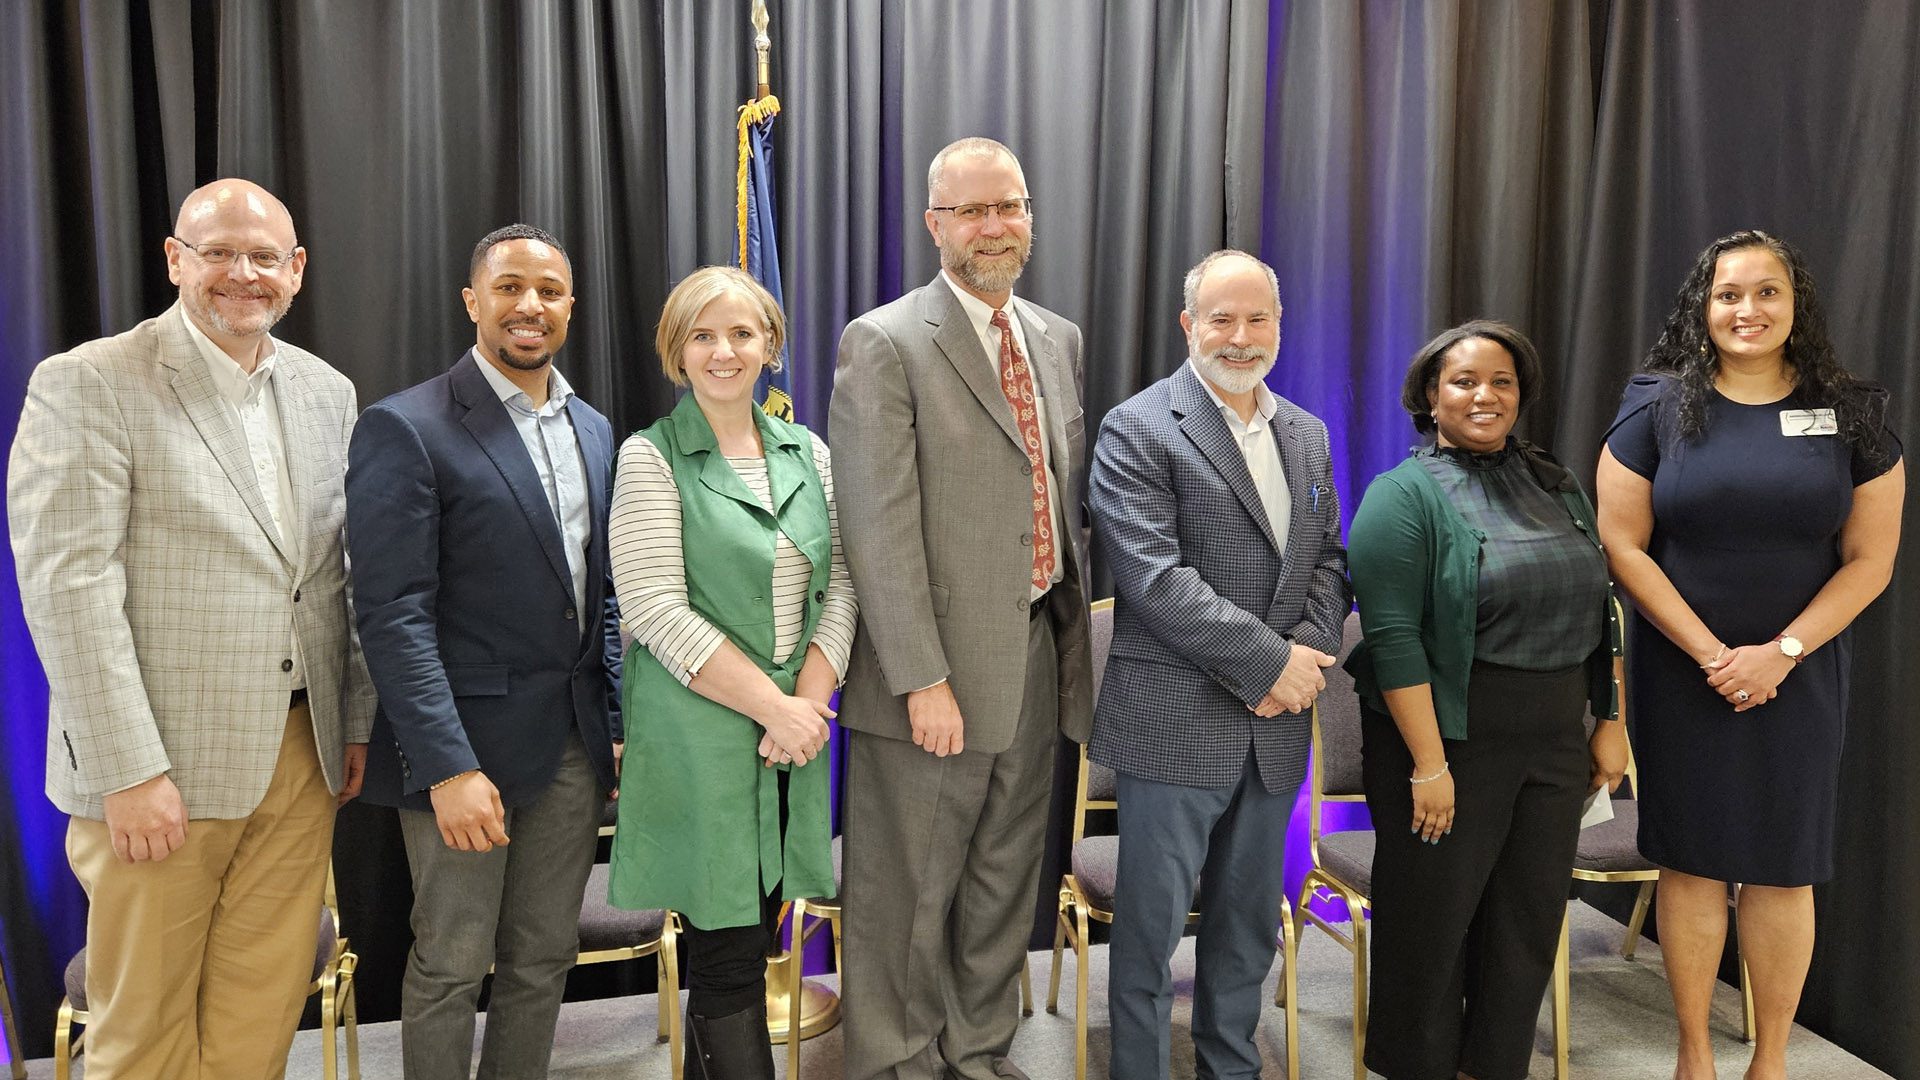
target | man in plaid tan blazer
x=1213, y=501
x=175, y=501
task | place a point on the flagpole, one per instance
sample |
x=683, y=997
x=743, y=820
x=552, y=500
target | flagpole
x=819, y=1007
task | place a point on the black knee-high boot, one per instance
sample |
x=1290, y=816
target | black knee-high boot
x=730, y=1047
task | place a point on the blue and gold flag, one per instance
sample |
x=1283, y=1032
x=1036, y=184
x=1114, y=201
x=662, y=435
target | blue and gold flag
x=758, y=245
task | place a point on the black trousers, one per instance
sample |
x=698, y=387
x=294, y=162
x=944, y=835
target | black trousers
x=727, y=967
x=1464, y=931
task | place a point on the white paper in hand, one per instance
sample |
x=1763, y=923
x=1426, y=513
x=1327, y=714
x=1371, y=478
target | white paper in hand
x=1599, y=808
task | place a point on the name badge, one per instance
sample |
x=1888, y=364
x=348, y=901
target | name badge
x=1808, y=422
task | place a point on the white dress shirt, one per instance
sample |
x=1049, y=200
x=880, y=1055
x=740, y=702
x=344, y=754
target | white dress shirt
x=254, y=407
x=1262, y=454
x=555, y=450
x=981, y=316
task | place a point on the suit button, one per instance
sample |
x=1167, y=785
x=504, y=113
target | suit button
x=286, y=665
x=1024, y=605
x=570, y=613
x=1026, y=539
x=820, y=596
x=1027, y=467
x=296, y=596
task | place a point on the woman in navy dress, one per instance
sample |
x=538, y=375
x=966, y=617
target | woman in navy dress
x=1750, y=499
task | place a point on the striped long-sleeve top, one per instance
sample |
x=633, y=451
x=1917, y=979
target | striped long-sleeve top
x=649, y=572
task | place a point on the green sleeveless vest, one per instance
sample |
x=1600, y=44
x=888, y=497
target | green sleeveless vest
x=699, y=823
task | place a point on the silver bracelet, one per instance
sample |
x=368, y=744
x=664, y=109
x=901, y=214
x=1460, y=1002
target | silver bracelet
x=1429, y=779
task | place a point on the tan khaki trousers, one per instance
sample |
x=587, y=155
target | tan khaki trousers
x=198, y=965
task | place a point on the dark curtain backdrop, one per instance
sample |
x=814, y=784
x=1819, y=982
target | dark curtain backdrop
x=1404, y=166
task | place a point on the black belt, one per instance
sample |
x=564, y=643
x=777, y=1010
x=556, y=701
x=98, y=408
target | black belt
x=297, y=699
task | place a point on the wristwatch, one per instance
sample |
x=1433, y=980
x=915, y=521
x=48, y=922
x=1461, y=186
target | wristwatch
x=1790, y=647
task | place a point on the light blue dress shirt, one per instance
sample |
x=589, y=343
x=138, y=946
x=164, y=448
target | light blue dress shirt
x=551, y=443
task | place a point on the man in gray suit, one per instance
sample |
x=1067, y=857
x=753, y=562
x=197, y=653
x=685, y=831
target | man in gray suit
x=175, y=501
x=957, y=437
x=1213, y=502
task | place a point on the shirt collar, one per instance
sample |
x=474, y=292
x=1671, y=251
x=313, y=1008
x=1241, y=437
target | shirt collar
x=234, y=383
x=979, y=313
x=1265, y=405
x=558, y=390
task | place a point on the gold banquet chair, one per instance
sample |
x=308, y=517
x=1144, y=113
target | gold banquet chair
x=608, y=934
x=1087, y=889
x=334, y=963
x=1610, y=852
x=10, y=1035
x=1342, y=861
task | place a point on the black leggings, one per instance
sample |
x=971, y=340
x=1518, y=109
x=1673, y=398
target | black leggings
x=727, y=968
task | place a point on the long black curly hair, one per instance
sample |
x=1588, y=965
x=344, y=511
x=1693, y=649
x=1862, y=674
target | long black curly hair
x=1686, y=352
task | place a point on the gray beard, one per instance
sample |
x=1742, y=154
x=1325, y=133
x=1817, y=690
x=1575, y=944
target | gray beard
x=1226, y=379
x=265, y=322
x=984, y=279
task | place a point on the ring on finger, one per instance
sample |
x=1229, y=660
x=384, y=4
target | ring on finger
x=1742, y=696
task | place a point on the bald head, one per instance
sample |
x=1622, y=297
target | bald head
x=238, y=264
x=974, y=150
x=234, y=203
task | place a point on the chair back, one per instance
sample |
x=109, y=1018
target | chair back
x=1095, y=788
x=1335, y=775
x=1100, y=631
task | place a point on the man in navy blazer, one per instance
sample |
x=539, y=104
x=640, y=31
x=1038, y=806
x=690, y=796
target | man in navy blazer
x=476, y=522
x=1213, y=502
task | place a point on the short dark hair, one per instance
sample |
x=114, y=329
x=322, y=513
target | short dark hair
x=516, y=231
x=1423, y=374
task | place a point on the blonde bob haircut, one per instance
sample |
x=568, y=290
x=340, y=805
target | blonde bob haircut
x=691, y=297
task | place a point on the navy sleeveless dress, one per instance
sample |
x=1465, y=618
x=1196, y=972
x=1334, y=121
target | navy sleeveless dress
x=1746, y=525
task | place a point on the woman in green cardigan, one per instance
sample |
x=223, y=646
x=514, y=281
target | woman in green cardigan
x=727, y=562
x=1488, y=636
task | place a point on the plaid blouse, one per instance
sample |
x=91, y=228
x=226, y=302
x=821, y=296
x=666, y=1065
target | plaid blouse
x=1541, y=577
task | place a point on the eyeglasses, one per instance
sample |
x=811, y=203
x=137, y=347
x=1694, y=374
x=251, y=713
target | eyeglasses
x=973, y=213
x=265, y=260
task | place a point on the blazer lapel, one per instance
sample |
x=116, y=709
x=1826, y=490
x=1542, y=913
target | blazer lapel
x=487, y=421
x=1294, y=455
x=193, y=385
x=290, y=391
x=1201, y=420
x=963, y=350
x=594, y=450
x=1049, y=367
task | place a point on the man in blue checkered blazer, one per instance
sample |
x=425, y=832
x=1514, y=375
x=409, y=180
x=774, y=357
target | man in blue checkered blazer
x=1213, y=502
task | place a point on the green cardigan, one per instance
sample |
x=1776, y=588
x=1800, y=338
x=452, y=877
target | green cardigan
x=1415, y=564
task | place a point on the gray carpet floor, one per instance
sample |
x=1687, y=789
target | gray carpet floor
x=1621, y=1025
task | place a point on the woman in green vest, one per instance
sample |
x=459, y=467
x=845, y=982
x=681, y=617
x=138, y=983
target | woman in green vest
x=727, y=562
x=1488, y=636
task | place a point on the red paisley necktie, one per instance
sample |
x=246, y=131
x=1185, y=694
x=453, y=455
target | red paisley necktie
x=1016, y=381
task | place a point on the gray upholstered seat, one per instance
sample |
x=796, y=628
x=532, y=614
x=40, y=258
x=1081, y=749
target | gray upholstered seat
x=603, y=926
x=1349, y=857
x=1612, y=847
